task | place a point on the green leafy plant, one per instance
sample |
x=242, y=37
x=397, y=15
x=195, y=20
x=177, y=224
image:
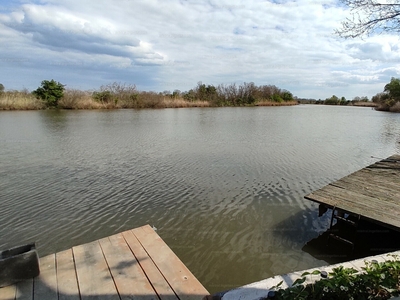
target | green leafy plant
x=50, y=91
x=376, y=281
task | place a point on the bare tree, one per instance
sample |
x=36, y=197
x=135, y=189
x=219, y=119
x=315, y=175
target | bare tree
x=369, y=16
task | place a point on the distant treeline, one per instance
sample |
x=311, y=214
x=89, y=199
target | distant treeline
x=334, y=100
x=118, y=95
x=235, y=95
x=388, y=100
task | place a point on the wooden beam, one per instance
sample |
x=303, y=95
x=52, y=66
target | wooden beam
x=45, y=285
x=157, y=280
x=25, y=290
x=185, y=285
x=8, y=292
x=66, y=276
x=129, y=278
x=94, y=277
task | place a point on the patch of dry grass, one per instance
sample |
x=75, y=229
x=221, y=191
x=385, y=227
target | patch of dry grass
x=365, y=104
x=76, y=99
x=274, y=103
x=395, y=108
x=19, y=101
x=178, y=103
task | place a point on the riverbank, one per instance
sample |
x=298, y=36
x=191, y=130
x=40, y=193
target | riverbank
x=75, y=99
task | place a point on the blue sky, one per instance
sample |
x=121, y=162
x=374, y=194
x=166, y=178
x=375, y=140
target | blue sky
x=173, y=44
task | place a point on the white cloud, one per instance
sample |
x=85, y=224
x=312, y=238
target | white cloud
x=174, y=44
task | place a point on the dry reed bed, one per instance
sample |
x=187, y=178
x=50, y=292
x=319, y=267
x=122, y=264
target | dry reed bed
x=77, y=99
x=365, y=104
x=272, y=103
x=20, y=101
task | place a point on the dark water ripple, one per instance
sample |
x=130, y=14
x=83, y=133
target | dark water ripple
x=224, y=187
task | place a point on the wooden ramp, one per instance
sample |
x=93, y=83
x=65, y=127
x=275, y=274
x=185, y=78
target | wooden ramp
x=372, y=192
x=135, y=264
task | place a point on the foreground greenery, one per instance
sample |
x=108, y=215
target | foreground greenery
x=376, y=281
x=52, y=94
x=389, y=99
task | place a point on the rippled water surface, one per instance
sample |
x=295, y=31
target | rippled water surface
x=223, y=186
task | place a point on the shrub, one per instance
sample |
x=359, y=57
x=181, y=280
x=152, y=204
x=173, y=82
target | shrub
x=377, y=281
x=50, y=91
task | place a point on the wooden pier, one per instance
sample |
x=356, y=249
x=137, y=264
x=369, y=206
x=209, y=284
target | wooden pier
x=135, y=264
x=373, y=193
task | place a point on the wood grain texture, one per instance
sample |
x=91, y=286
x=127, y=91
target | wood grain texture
x=8, y=292
x=183, y=282
x=372, y=192
x=154, y=275
x=135, y=264
x=129, y=278
x=94, y=277
x=45, y=285
x=66, y=276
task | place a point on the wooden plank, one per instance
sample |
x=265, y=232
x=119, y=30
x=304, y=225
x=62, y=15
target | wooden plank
x=66, y=276
x=376, y=179
x=358, y=208
x=158, y=282
x=129, y=278
x=371, y=182
x=358, y=205
x=45, y=285
x=387, y=195
x=94, y=278
x=25, y=290
x=182, y=281
x=369, y=202
x=8, y=292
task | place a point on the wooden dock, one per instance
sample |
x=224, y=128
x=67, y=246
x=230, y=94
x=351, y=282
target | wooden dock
x=372, y=192
x=135, y=264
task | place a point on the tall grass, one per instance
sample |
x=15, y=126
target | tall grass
x=395, y=108
x=117, y=95
x=274, y=103
x=76, y=99
x=19, y=100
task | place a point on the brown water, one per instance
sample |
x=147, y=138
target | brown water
x=223, y=186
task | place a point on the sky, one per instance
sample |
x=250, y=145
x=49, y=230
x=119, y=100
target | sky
x=167, y=45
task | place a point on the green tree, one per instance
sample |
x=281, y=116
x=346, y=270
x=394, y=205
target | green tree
x=1, y=88
x=389, y=97
x=50, y=91
x=287, y=96
x=393, y=89
x=334, y=100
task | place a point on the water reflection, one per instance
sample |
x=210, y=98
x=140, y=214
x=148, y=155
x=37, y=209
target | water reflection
x=223, y=186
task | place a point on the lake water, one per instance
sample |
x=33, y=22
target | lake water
x=223, y=186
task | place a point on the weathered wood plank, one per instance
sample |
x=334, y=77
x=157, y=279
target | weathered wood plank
x=159, y=283
x=25, y=290
x=375, y=178
x=94, y=278
x=362, y=207
x=8, y=292
x=45, y=285
x=372, y=192
x=185, y=285
x=358, y=208
x=356, y=197
x=129, y=278
x=362, y=184
x=66, y=276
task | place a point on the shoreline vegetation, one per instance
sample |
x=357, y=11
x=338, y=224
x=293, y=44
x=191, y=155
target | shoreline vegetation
x=119, y=96
x=53, y=94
